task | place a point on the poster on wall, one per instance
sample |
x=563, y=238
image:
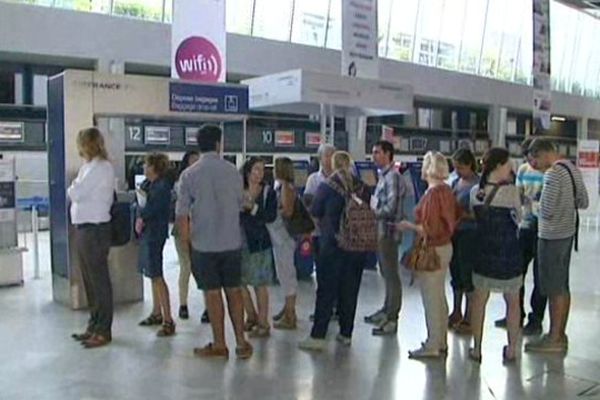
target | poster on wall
x=588, y=163
x=198, y=40
x=8, y=223
x=359, y=39
x=542, y=103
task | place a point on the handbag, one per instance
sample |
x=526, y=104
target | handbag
x=421, y=257
x=300, y=222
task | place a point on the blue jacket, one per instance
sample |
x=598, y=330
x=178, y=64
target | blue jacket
x=156, y=212
x=254, y=226
x=328, y=206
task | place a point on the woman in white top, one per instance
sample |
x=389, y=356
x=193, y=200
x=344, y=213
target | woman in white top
x=91, y=195
x=284, y=245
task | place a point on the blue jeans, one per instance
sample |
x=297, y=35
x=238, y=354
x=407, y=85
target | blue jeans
x=338, y=278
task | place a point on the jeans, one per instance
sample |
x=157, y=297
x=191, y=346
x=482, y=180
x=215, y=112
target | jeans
x=338, y=278
x=528, y=242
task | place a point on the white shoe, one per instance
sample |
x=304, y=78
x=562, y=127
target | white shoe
x=424, y=352
x=312, y=344
x=343, y=340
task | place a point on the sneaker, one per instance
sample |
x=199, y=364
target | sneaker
x=343, y=340
x=183, y=312
x=547, y=345
x=386, y=328
x=532, y=329
x=312, y=344
x=376, y=318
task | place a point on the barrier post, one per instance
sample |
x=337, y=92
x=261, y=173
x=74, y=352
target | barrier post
x=35, y=229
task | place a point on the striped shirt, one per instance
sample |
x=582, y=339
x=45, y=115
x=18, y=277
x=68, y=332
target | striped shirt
x=389, y=195
x=557, y=205
x=530, y=182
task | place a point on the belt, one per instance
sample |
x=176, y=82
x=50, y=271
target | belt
x=89, y=225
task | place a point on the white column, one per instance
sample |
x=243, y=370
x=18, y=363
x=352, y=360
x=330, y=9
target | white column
x=497, y=124
x=356, y=137
x=582, y=128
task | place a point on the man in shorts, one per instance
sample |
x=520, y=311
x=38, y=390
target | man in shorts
x=211, y=191
x=563, y=194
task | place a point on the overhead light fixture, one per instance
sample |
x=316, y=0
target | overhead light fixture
x=558, y=119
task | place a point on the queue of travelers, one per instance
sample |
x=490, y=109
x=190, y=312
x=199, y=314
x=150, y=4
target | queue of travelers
x=236, y=234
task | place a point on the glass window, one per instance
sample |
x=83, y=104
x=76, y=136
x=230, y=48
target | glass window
x=272, y=19
x=334, y=29
x=143, y=9
x=524, y=62
x=168, y=11
x=403, y=18
x=239, y=16
x=428, y=32
x=309, y=22
x=451, y=33
x=493, y=39
x=472, y=37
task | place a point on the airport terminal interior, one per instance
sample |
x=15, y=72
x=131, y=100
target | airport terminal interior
x=293, y=81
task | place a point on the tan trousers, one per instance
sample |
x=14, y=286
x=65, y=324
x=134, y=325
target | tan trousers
x=433, y=292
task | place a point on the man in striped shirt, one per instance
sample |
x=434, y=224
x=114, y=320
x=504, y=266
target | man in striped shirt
x=562, y=195
x=386, y=202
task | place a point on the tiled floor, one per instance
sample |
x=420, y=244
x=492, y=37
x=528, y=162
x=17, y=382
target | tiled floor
x=38, y=360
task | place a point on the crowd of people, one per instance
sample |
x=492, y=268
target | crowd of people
x=483, y=224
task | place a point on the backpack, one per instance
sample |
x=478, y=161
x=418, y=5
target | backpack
x=358, y=225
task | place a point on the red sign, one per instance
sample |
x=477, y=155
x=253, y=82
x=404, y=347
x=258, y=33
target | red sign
x=588, y=159
x=313, y=139
x=284, y=138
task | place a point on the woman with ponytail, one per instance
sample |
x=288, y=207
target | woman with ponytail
x=497, y=207
x=340, y=273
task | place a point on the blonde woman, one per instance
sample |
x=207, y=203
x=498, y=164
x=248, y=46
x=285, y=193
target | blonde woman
x=284, y=245
x=91, y=195
x=340, y=271
x=436, y=217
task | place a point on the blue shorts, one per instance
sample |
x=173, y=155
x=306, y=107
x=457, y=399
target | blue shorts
x=150, y=258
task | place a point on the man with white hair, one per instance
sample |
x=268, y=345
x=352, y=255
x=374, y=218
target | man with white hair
x=325, y=153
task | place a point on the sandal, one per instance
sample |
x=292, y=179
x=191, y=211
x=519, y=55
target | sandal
x=249, y=325
x=210, y=351
x=279, y=315
x=286, y=323
x=167, y=329
x=506, y=359
x=96, y=341
x=463, y=328
x=81, y=337
x=260, y=331
x=473, y=356
x=153, y=319
x=244, y=352
x=454, y=321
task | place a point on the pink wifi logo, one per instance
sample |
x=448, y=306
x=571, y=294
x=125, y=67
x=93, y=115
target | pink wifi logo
x=198, y=59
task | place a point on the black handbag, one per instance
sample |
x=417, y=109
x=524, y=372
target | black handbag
x=300, y=223
x=121, y=222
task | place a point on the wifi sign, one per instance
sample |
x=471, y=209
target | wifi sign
x=198, y=59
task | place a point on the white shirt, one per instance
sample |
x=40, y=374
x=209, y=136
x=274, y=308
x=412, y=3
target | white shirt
x=313, y=182
x=91, y=193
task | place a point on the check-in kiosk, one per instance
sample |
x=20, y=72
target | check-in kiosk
x=79, y=99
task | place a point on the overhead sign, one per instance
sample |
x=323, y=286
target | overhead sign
x=221, y=99
x=198, y=40
x=12, y=132
x=542, y=103
x=359, y=39
x=589, y=164
x=312, y=139
x=157, y=135
x=284, y=138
